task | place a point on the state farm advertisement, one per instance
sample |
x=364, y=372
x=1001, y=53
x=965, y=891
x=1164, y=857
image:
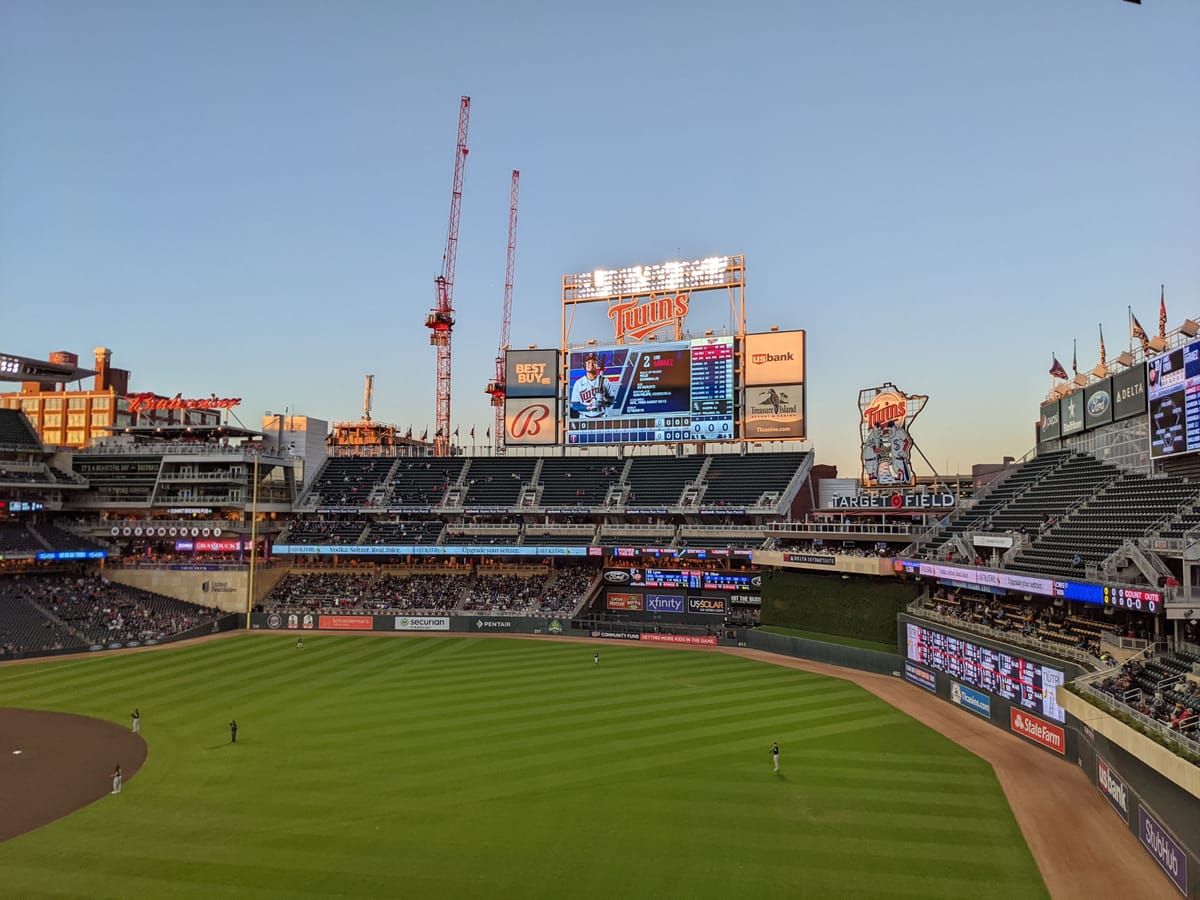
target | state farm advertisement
x=1039, y=731
x=345, y=623
x=697, y=639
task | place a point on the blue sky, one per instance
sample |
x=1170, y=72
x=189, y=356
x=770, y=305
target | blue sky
x=250, y=199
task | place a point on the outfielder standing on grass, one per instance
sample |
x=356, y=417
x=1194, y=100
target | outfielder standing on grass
x=117, y=779
x=775, y=755
x=137, y=721
x=233, y=731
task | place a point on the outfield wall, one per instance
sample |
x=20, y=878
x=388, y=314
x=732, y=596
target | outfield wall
x=1165, y=815
x=1165, y=818
x=480, y=624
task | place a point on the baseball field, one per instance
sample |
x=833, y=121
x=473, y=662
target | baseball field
x=462, y=767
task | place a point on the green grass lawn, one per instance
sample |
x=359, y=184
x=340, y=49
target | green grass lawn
x=458, y=767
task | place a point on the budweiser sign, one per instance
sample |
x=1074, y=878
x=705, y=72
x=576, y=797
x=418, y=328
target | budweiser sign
x=148, y=402
x=636, y=320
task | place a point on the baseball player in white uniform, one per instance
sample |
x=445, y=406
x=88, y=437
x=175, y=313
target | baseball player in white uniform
x=591, y=394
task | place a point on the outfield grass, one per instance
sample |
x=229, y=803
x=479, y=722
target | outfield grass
x=459, y=767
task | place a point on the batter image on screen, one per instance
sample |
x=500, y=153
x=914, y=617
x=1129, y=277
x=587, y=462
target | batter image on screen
x=592, y=393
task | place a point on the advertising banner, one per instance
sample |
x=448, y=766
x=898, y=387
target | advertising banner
x=531, y=373
x=531, y=421
x=713, y=606
x=1049, y=424
x=1070, y=408
x=810, y=559
x=617, y=635
x=1129, y=393
x=969, y=698
x=1113, y=787
x=694, y=639
x=1039, y=731
x=422, y=623
x=345, y=623
x=1098, y=404
x=493, y=625
x=920, y=677
x=663, y=603
x=774, y=412
x=625, y=601
x=775, y=357
x=1166, y=852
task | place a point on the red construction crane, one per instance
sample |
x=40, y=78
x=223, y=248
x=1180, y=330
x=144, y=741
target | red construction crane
x=497, y=387
x=440, y=320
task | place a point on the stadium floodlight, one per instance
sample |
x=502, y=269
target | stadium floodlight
x=634, y=281
x=22, y=368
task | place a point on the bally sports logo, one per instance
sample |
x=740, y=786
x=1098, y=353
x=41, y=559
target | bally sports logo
x=1040, y=732
x=1113, y=788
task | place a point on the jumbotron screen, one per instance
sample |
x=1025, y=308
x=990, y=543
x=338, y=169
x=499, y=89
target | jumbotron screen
x=646, y=393
x=1174, y=395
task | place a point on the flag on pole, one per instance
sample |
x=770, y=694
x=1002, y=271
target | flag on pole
x=456, y=431
x=1138, y=331
x=1075, y=356
x=425, y=433
x=489, y=432
x=1057, y=369
x=409, y=434
x=1162, y=311
x=1103, y=355
x=472, y=432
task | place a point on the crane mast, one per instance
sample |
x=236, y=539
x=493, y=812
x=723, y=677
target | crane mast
x=498, y=388
x=440, y=320
x=367, y=398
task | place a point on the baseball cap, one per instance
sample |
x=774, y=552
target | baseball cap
x=591, y=356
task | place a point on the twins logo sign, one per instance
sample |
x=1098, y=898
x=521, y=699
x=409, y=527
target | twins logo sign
x=886, y=416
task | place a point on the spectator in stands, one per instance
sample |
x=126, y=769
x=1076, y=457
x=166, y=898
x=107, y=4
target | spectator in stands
x=1077, y=561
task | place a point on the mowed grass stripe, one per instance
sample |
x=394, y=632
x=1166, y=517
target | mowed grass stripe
x=441, y=766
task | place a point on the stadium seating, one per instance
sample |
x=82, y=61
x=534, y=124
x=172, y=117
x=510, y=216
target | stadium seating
x=349, y=480
x=658, y=481
x=16, y=538
x=578, y=481
x=744, y=481
x=60, y=540
x=16, y=431
x=497, y=481
x=405, y=532
x=423, y=482
x=324, y=531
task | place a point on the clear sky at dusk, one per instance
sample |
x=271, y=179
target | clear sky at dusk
x=250, y=199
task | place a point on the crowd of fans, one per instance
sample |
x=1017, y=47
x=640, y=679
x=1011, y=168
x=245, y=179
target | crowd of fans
x=1053, y=624
x=1159, y=689
x=488, y=590
x=852, y=548
x=80, y=610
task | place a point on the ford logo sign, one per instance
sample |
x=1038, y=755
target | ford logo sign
x=1098, y=405
x=616, y=576
x=756, y=581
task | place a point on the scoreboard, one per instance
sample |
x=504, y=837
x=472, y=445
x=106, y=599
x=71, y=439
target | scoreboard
x=1173, y=380
x=1019, y=680
x=656, y=392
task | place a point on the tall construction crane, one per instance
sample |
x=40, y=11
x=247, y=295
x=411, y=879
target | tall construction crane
x=497, y=387
x=440, y=320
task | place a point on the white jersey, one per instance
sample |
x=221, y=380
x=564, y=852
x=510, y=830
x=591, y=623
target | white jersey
x=591, y=396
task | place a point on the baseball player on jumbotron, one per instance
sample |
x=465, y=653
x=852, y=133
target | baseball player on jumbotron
x=591, y=394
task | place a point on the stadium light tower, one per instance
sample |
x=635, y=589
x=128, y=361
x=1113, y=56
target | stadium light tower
x=440, y=320
x=498, y=387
